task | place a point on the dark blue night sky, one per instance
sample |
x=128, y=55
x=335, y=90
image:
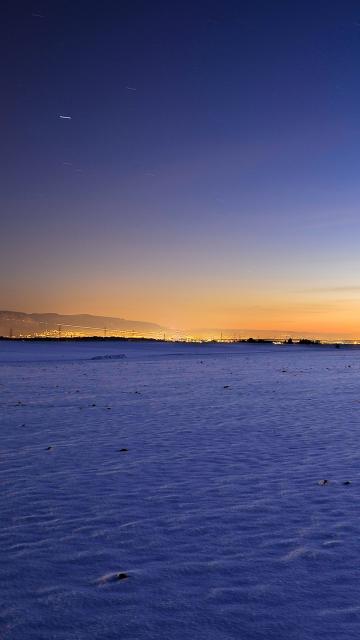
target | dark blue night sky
x=208, y=175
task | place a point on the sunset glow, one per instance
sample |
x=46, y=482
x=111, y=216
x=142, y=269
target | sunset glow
x=188, y=188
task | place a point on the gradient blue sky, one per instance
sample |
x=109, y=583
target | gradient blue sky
x=223, y=191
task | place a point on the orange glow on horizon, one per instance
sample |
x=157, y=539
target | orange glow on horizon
x=317, y=313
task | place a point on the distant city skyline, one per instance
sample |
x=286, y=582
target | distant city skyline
x=192, y=165
x=21, y=325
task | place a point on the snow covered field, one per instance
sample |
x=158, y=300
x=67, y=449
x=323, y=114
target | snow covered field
x=214, y=512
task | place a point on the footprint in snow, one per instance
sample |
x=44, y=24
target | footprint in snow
x=322, y=483
x=112, y=577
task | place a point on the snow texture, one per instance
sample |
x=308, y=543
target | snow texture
x=176, y=493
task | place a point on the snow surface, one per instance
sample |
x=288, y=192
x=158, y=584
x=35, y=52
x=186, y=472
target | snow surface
x=215, y=512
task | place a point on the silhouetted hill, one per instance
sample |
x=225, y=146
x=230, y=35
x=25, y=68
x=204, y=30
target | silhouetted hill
x=30, y=324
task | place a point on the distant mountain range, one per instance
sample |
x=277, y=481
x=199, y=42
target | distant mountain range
x=17, y=324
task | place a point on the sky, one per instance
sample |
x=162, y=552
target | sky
x=206, y=172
